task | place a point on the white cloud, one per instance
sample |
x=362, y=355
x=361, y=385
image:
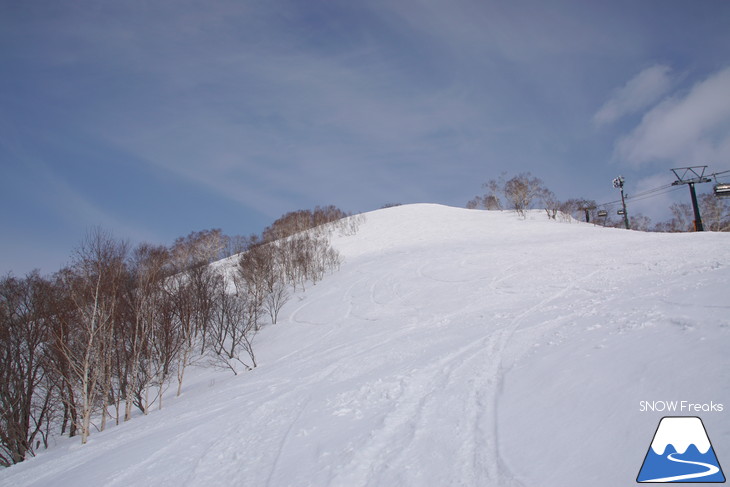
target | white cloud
x=637, y=94
x=690, y=129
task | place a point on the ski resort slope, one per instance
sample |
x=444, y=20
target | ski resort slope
x=454, y=347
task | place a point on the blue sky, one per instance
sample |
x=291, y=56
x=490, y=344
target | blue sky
x=154, y=119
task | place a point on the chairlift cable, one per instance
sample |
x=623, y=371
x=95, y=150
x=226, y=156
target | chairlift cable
x=649, y=193
x=640, y=198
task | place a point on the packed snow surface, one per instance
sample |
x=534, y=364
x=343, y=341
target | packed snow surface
x=454, y=347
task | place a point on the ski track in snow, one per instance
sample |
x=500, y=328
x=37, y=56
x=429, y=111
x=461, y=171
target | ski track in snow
x=479, y=363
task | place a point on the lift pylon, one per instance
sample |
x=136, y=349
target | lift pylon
x=691, y=176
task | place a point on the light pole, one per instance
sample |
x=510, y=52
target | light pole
x=619, y=183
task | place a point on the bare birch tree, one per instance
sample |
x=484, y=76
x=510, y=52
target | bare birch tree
x=94, y=286
x=26, y=393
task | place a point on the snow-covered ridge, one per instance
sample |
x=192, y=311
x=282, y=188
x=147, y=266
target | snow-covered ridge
x=453, y=347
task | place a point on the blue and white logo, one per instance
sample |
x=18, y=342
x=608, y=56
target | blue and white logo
x=681, y=452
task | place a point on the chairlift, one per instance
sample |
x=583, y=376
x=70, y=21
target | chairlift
x=722, y=190
x=602, y=213
x=620, y=212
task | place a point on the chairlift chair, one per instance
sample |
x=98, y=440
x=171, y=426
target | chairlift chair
x=722, y=190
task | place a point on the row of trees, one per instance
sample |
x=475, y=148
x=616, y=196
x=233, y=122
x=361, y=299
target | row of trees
x=715, y=216
x=109, y=333
x=525, y=191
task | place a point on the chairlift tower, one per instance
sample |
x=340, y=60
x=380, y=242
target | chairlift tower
x=619, y=184
x=691, y=176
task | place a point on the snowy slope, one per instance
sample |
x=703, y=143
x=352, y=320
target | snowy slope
x=454, y=347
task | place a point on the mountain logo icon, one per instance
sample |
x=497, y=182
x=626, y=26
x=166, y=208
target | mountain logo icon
x=680, y=452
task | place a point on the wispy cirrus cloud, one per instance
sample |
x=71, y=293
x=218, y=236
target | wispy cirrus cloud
x=686, y=128
x=282, y=118
x=637, y=94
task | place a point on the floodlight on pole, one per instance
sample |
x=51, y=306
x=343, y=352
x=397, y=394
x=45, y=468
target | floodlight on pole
x=618, y=183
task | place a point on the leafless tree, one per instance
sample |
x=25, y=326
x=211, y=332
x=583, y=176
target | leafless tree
x=236, y=244
x=490, y=200
x=551, y=203
x=349, y=225
x=94, y=284
x=300, y=221
x=203, y=281
x=682, y=218
x=182, y=299
x=149, y=268
x=327, y=214
x=202, y=247
x=261, y=269
x=715, y=213
x=475, y=203
x=167, y=341
x=26, y=392
x=234, y=325
x=640, y=222
x=577, y=207
x=275, y=299
x=522, y=190
x=63, y=316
